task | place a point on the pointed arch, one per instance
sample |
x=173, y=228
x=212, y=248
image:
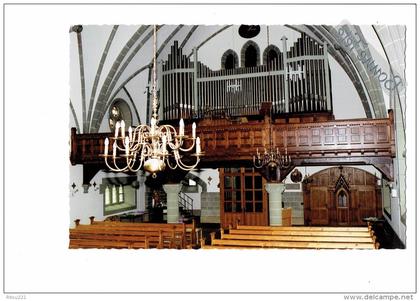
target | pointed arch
x=268, y=53
x=229, y=60
x=250, y=54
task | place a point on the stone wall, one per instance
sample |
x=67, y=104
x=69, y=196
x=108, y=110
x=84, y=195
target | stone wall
x=294, y=199
x=210, y=207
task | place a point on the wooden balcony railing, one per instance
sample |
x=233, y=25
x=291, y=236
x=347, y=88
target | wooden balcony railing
x=328, y=142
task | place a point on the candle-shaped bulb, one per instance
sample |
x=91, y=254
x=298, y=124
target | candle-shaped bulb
x=198, y=146
x=181, y=127
x=114, y=149
x=130, y=133
x=193, y=130
x=164, y=144
x=117, y=127
x=127, y=145
x=122, y=128
x=106, y=146
x=152, y=126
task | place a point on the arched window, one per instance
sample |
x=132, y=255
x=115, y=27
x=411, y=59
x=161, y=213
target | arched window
x=342, y=199
x=229, y=60
x=272, y=55
x=250, y=54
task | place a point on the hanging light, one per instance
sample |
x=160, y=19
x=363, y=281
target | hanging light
x=271, y=157
x=152, y=147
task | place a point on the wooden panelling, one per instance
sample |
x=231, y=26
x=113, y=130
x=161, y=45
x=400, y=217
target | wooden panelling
x=321, y=198
x=361, y=141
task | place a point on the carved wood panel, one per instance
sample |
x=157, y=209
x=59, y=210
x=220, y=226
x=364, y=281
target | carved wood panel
x=363, y=197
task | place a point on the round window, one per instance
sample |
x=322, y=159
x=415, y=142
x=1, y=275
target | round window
x=249, y=31
x=118, y=111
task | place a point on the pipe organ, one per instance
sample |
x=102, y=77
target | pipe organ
x=297, y=81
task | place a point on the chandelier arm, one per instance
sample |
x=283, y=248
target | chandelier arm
x=257, y=163
x=141, y=161
x=169, y=164
x=112, y=168
x=118, y=147
x=117, y=168
x=182, y=165
x=188, y=149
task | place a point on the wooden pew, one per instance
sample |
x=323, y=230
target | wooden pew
x=191, y=233
x=115, y=238
x=304, y=228
x=129, y=235
x=302, y=233
x=291, y=237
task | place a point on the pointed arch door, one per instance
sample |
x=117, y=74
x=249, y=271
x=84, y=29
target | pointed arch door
x=342, y=199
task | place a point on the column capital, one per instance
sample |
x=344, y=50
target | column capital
x=172, y=188
x=275, y=187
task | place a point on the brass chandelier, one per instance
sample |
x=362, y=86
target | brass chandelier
x=272, y=158
x=152, y=147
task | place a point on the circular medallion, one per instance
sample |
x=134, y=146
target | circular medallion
x=249, y=31
x=296, y=176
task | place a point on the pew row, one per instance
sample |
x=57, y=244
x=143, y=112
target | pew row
x=132, y=235
x=293, y=238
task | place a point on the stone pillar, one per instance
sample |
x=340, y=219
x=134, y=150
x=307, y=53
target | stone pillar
x=275, y=191
x=172, y=191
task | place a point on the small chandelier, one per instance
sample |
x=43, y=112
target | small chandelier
x=151, y=147
x=272, y=159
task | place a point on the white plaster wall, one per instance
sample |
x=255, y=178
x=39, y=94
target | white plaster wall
x=137, y=87
x=94, y=39
x=395, y=221
x=204, y=174
x=346, y=100
x=74, y=85
x=83, y=205
x=123, y=34
x=72, y=122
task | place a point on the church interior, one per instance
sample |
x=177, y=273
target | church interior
x=237, y=136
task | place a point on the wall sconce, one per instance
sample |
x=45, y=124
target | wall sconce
x=394, y=193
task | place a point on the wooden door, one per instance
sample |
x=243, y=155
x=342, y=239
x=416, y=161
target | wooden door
x=242, y=197
x=342, y=204
x=319, y=206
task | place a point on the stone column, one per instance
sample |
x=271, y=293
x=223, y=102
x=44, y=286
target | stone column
x=275, y=194
x=172, y=191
